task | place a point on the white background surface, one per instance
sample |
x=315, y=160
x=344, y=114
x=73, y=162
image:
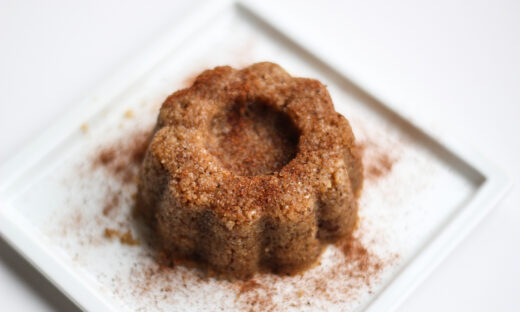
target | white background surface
x=456, y=64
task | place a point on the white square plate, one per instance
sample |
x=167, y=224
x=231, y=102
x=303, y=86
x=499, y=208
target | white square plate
x=424, y=191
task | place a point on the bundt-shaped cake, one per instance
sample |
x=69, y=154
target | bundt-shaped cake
x=250, y=170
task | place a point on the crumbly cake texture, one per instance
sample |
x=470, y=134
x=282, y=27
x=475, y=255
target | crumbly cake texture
x=250, y=170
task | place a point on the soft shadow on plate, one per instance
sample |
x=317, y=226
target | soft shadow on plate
x=35, y=282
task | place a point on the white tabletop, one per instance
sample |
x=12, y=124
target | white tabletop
x=456, y=63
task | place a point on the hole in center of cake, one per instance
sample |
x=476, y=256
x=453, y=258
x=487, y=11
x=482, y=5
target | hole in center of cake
x=252, y=138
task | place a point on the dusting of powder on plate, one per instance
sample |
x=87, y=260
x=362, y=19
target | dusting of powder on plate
x=346, y=271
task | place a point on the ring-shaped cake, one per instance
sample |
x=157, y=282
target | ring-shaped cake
x=250, y=170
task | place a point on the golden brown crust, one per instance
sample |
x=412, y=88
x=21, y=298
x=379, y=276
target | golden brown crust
x=250, y=169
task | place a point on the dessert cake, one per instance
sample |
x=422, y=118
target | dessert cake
x=250, y=170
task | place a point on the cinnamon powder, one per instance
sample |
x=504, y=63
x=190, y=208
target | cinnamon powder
x=125, y=238
x=378, y=161
x=121, y=159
